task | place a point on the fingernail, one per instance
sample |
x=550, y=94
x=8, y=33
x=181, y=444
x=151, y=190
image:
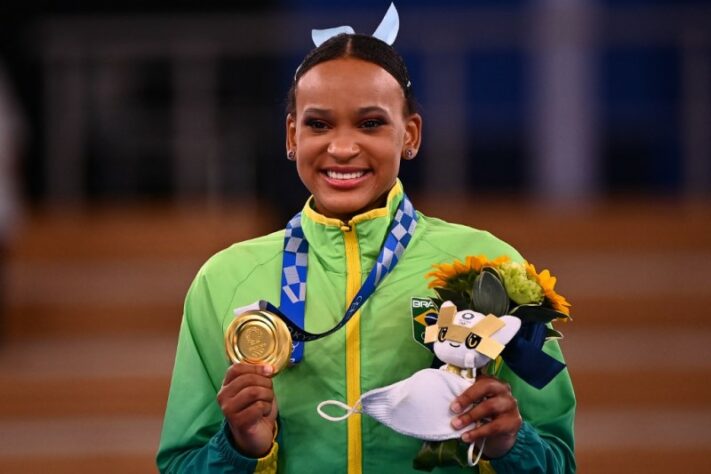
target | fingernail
x=467, y=438
x=456, y=407
x=268, y=370
x=457, y=423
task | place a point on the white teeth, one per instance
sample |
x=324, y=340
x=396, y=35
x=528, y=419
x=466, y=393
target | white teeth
x=337, y=175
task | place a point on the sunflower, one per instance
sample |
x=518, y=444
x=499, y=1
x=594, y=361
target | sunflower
x=443, y=273
x=547, y=282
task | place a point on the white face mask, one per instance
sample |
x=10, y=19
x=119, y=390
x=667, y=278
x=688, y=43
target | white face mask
x=417, y=406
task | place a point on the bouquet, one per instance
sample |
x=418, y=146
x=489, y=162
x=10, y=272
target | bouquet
x=501, y=287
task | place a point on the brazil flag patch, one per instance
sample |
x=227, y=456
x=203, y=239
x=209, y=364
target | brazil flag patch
x=424, y=313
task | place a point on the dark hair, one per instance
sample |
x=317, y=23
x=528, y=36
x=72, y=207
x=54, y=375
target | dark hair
x=362, y=47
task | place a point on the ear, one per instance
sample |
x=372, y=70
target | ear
x=290, y=132
x=446, y=313
x=506, y=333
x=413, y=135
x=431, y=333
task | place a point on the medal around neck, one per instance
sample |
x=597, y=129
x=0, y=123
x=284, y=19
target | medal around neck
x=264, y=334
x=258, y=337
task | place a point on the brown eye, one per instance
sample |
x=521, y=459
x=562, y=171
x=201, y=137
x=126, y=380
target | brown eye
x=442, y=334
x=371, y=123
x=472, y=341
x=316, y=124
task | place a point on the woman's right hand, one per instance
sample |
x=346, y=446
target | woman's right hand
x=248, y=403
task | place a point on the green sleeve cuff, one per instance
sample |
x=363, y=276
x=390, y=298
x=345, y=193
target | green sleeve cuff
x=225, y=446
x=526, y=436
x=528, y=455
x=222, y=441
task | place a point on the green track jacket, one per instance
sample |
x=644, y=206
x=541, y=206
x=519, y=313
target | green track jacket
x=376, y=348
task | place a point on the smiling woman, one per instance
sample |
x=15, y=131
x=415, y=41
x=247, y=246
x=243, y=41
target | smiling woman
x=364, y=252
x=349, y=130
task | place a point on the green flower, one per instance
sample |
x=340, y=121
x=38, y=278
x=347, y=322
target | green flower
x=521, y=288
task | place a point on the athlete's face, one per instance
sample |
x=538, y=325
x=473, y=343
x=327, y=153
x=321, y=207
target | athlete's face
x=349, y=132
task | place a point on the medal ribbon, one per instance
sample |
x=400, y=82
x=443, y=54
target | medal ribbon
x=295, y=265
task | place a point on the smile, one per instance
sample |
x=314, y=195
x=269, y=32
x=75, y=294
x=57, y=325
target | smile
x=344, y=176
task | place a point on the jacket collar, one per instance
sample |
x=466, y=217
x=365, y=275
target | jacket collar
x=326, y=234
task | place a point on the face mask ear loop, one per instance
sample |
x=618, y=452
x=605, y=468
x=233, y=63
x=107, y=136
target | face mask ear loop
x=470, y=453
x=349, y=410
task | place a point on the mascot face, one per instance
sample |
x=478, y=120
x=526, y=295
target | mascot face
x=452, y=350
x=468, y=339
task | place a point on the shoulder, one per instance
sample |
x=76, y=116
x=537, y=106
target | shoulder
x=238, y=261
x=458, y=241
x=232, y=278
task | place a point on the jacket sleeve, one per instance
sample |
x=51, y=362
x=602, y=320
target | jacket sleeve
x=195, y=436
x=545, y=442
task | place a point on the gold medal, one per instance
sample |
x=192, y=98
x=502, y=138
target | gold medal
x=258, y=337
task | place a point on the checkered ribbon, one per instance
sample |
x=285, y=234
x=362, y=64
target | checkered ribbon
x=294, y=271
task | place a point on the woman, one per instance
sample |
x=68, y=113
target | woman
x=351, y=119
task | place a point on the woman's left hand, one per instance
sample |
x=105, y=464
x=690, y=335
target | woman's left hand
x=495, y=408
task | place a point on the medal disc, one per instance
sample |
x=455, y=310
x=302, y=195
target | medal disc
x=258, y=337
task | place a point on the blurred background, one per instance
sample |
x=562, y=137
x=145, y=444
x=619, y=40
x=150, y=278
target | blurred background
x=138, y=138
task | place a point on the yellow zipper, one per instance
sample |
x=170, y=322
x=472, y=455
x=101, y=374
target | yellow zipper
x=353, y=283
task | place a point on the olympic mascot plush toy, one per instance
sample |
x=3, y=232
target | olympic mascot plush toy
x=419, y=405
x=467, y=340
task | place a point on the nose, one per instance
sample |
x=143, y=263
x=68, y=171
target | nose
x=343, y=147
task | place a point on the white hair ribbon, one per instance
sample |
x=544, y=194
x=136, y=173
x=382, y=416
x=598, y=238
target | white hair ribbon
x=386, y=31
x=321, y=36
x=388, y=28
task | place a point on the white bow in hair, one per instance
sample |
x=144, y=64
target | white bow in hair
x=386, y=31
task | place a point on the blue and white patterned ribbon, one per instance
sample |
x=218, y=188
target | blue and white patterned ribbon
x=294, y=271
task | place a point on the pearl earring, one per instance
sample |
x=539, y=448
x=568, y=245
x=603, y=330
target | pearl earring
x=291, y=155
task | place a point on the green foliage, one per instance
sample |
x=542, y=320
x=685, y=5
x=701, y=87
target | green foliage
x=459, y=298
x=537, y=313
x=452, y=452
x=489, y=295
